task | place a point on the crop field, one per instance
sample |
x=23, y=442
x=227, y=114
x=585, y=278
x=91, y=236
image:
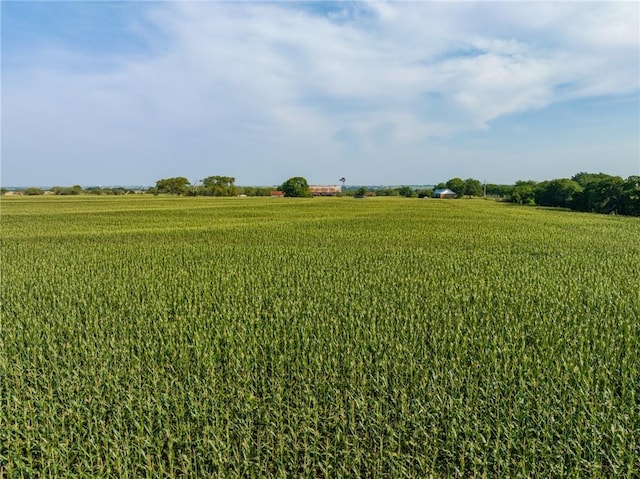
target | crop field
x=326, y=337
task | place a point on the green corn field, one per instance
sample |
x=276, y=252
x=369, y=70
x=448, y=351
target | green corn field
x=327, y=337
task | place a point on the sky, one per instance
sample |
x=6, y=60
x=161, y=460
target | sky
x=380, y=93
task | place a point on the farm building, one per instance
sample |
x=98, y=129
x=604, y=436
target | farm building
x=330, y=190
x=276, y=194
x=446, y=193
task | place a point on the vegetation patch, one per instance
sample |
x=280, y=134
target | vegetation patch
x=392, y=337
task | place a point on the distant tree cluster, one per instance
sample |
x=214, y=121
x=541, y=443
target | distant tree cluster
x=209, y=186
x=296, y=187
x=67, y=190
x=219, y=186
x=468, y=187
x=225, y=186
x=116, y=190
x=254, y=190
x=590, y=192
x=72, y=191
x=173, y=186
x=34, y=191
x=404, y=191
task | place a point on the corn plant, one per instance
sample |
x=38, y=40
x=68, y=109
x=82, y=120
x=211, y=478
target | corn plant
x=325, y=337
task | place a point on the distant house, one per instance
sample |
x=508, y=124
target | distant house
x=277, y=194
x=327, y=190
x=446, y=193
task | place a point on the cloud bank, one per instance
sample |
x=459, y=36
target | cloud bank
x=379, y=92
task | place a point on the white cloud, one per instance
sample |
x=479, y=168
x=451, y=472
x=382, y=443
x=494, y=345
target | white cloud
x=233, y=80
x=276, y=58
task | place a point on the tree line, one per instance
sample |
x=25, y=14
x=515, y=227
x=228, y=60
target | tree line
x=209, y=186
x=463, y=188
x=589, y=192
x=225, y=186
x=73, y=190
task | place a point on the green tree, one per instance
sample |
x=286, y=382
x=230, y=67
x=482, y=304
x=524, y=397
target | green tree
x=296, y=187
x=173, y=186
x=595, y=192
x=407, y=192
x=456, y=185
x=560, y=192
x=631, y=196
x=33, y=191
x=472, y=187
x=524, y=192
x=66, y=190
x=360, y=192
x=499, y=190
x=583, y=178
x=254, y=190
x=219, y=186
x=95, y=190
x=386, y=192
x=601, y=193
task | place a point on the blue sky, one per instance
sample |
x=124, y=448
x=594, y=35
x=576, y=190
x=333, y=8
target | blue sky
x=126, y=93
